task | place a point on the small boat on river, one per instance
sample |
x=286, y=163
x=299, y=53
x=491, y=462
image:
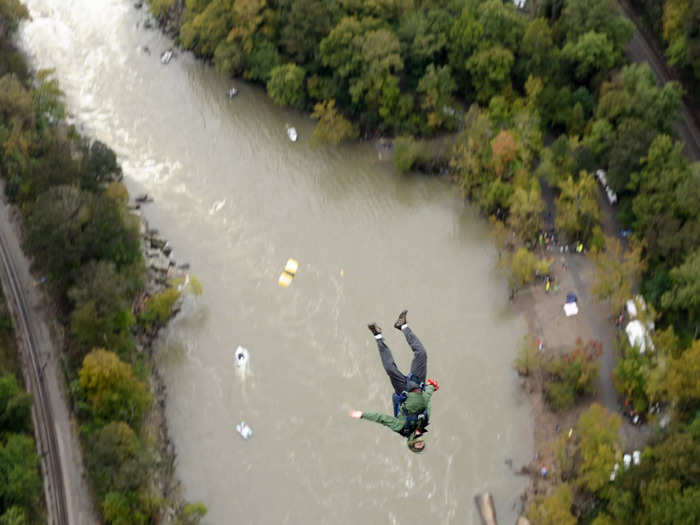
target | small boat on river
x=232, y=92
x=292, y=133
x=166, y=56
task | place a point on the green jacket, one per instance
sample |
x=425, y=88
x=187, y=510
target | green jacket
x=416, y=402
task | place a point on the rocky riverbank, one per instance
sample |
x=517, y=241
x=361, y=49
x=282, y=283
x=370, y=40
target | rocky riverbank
x=161, y=269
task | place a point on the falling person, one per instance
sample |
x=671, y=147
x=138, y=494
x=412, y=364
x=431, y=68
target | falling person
x=412, y=393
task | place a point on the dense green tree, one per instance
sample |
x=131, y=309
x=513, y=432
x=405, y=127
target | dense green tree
x=364, y=57
x=490, y=71
x=437, y=87
x=117, y=461
x=54, y=229
x=471, y=152
x=304, y=23
x=665, y=206
x=262, y=59
x=633, y=92
x=286, y=85
x=591, y=53
x=377, y=84
x=111, y=388
x=684, y=295
x=423, y=35
x=668, y=486
x=15, y=515
x=340, y=50
x=581, y=16
x=538, y=55
x=20, y=479
x=48, y=100
x=101, y=313
x=626, y=149
x=15, y=406
x=464, y=38
x=230, y=58
x=501, y=24
x=632, y=375
x=99, y=165
x=16, y=127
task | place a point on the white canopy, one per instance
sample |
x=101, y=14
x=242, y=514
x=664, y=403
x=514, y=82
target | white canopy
x=639, y=336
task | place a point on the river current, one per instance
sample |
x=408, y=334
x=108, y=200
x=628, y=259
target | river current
x=236, y=199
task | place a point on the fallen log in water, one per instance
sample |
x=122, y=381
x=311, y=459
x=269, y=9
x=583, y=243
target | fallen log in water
x=487, y=509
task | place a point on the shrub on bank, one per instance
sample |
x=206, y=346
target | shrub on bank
x=159, y=308
x=572, y=375
x=527, y=358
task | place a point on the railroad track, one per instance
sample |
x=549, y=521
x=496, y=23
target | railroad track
x=44, y=426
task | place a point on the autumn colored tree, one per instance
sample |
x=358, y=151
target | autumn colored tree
x=681, y=23
x=577, y=207
x=526, y=210
x=206, y=26
x=617, y=272
x=111, y=388
x=681, y=380
x=554, y=509
x=572, y=375
x=332, y=126
x=599, y=446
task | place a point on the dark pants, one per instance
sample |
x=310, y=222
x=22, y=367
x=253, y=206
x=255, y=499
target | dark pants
x=419, y=365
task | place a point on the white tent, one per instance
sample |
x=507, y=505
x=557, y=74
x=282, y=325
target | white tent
x=639, y=336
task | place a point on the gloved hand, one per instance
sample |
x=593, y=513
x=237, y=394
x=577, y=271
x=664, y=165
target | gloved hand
x=434, y=383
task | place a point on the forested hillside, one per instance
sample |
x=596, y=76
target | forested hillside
x=86, y=246
x=676, y=25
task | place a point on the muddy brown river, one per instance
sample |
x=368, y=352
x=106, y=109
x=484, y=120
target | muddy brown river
x=236, y=199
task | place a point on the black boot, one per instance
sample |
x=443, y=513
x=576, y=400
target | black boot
x=374, y=328
x=401, y=320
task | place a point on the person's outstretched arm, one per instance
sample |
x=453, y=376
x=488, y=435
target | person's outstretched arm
x=430, y=388
x=394, y=423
